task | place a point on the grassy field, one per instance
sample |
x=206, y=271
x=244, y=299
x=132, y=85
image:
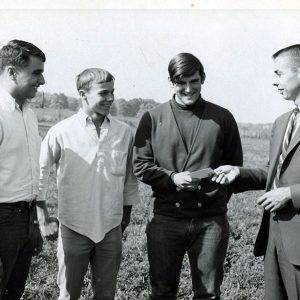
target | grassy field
x=243, y=273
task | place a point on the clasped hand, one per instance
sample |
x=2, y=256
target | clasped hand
x=48, y=225
x=275, y=199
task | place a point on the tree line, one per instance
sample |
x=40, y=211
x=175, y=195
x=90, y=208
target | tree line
x=130, y=111
x=121, y=107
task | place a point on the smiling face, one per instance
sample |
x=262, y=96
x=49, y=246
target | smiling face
x=288, y=77
x=188, y=89
x=98, y=99
x=28, y=79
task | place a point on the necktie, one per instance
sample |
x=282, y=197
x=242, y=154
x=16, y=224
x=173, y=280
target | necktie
x=285, y=145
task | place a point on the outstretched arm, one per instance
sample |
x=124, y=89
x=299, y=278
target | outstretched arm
x=225, y=174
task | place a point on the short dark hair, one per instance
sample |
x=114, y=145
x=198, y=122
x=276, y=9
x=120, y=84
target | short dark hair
x=293, y=51
x=184, y=65
x=17, y=53
x=87, y=77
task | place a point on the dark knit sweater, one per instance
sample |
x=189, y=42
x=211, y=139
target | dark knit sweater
x=187, y=120
x=160, y=151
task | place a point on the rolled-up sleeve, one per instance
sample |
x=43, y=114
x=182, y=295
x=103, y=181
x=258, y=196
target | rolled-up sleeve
x=131, y=192
x=50, y=153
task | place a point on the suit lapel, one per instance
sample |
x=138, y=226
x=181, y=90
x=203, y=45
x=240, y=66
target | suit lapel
x=276, y=144
x=295, y=140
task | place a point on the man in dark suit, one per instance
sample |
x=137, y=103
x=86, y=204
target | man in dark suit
x=279, y=235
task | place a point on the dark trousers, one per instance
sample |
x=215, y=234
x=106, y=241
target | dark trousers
x=204, y=240
x=282, y=279
x=16, y=250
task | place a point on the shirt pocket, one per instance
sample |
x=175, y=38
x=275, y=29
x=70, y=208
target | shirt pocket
x=118, y=162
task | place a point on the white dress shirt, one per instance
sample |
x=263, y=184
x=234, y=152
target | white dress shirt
x=94, y=174
x=19, y=151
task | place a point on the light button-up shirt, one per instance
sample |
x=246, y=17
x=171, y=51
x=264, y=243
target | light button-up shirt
x=19, y=151
x=94, y=174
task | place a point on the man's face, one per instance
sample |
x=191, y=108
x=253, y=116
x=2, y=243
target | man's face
x=288, y=77
x=188, y=89
x=100, y=97
x=28, y=79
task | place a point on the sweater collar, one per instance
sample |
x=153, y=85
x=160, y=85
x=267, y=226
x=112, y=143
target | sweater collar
x=199, y=104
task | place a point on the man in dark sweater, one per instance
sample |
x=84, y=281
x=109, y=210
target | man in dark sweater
x=178, y=137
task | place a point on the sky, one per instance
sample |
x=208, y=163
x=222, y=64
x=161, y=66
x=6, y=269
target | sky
x=235, y=47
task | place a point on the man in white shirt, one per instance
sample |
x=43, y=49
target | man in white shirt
x=21, y=73
x=96, y=188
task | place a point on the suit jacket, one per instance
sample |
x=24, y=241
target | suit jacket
x=257, y=178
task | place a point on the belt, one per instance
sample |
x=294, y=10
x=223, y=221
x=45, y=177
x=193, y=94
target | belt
x=20, y=204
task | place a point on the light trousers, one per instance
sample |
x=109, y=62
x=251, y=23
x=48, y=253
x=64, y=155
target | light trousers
x=75, y=252
x=282, y=279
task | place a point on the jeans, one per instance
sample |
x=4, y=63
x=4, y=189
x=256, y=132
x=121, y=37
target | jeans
x=76, y=251
x=204, y=240
x=16, y=250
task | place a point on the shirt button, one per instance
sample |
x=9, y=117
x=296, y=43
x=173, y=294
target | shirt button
x=199, y=204
x=177, y=204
